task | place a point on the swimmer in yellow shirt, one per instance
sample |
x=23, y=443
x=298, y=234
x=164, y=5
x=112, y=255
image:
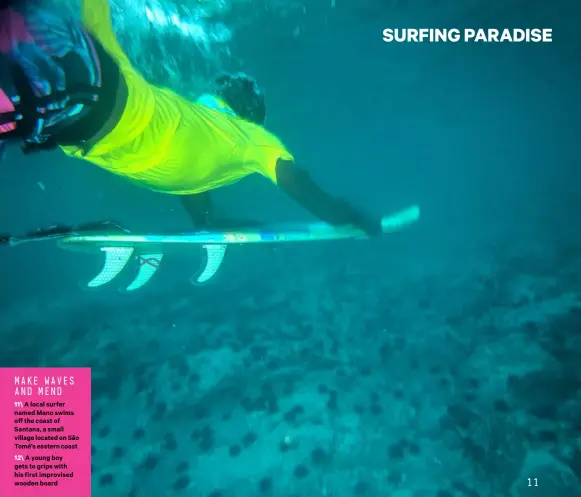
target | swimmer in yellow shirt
x=70, y=85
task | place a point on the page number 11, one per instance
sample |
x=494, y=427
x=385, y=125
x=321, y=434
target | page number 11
x=533, y=482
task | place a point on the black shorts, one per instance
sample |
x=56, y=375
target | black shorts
x=52, y=76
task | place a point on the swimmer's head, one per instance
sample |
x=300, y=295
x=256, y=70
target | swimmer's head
x=243, y=95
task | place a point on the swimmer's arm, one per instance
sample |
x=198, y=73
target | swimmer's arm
x=298, y=185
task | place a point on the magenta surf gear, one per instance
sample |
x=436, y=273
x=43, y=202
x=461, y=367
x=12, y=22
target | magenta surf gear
x=50, y=74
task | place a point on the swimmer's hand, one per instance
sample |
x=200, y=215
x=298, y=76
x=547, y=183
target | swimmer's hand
x=358, y=219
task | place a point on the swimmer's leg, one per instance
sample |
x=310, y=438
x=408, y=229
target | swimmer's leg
x=199, y=207
x=201, y=210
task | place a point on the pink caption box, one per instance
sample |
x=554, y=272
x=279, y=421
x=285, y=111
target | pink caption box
x=63, y=421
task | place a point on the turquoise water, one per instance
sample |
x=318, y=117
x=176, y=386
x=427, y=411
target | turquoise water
x=442, y=361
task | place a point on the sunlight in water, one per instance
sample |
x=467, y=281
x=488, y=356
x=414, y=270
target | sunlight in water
x=193, y=26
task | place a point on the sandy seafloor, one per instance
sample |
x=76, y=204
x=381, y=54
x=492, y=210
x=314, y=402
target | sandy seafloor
x=398, y=372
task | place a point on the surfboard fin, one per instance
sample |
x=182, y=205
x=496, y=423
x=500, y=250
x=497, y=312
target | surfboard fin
x=148, y=265
x=116, y=258
x=214, y=258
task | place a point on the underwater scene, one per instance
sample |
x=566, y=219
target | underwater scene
x=381, y=297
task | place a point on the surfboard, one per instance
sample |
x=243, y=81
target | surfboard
x=147, y=251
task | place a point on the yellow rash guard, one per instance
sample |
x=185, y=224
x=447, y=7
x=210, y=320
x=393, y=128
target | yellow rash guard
x=168, y=144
